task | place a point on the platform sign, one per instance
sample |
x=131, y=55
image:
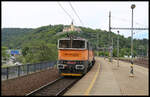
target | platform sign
x=14, y=52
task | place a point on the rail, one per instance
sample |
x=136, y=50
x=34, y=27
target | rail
x=55, y=88
x=31, y=93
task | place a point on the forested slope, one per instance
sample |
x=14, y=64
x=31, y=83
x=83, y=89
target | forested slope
x=43, y=40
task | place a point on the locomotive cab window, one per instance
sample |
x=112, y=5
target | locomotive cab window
x=72, y=44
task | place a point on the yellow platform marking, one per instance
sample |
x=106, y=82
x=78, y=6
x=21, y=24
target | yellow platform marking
x=70, y=74
x=93, y=81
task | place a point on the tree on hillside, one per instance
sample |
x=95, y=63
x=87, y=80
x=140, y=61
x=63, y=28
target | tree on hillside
x=5, y=56
x=39, y=51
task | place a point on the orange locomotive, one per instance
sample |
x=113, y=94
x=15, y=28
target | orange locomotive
x=75, y=56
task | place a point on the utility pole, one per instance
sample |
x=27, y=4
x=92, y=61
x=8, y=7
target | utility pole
x=110, y=53
x=104, y=51
x=109, y=22
x=97, y=43
x=112, y=49
x=147, y=48
x=118, y=50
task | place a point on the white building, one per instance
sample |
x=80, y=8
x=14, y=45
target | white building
x=71, y=28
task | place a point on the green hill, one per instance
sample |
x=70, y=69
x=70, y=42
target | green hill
x=47, y=36
x=12, y=37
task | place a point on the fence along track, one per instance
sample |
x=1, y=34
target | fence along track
x=55, y=88
x=21, y=70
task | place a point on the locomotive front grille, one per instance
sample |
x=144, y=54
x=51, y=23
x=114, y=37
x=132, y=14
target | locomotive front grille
x=71, y=65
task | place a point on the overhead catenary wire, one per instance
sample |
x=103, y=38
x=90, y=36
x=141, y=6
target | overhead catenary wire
x=125, y=20
x=65, y=11
x=76, y=13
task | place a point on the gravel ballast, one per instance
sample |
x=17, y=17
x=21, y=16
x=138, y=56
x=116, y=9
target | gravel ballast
x=25, y=84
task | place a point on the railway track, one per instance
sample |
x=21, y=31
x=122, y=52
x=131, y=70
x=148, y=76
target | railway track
x=55, y=88
x=141, y=62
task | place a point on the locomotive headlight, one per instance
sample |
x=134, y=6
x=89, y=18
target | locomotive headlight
x=60, y=66
x=79, y=67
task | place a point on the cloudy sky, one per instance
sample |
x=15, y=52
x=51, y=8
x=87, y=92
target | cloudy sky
x=93, y=15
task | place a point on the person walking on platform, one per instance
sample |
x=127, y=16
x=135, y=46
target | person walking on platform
x=131, y=71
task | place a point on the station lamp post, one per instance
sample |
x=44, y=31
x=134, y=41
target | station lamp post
x=132, y=7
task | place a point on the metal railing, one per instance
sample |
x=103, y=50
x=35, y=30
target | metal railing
x=20, y=70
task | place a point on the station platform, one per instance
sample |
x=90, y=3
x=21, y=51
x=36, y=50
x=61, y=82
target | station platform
x=106, y=78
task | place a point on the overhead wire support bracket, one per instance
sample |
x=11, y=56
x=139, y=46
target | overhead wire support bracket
x=129, y=28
